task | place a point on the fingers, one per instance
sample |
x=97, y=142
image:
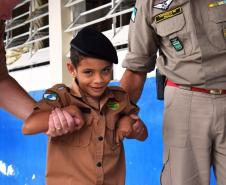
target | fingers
x=71, y=123
x=134, y=116
x=60, y=120
x=51, y=130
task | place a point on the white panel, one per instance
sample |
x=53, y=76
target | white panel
x=32, y=79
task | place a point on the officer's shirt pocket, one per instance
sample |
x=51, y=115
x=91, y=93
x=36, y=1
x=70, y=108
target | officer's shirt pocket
x=217, y=24
x=174, y=36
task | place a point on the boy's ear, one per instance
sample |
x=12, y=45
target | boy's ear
x=71, y=69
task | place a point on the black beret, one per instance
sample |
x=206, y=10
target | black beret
x=92, y=43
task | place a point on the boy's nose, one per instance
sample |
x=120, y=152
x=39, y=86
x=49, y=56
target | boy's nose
x=98, y=78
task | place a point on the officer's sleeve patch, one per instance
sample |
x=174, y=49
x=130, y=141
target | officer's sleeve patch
x=163, y=5
x=50, y=96
x=134, y=13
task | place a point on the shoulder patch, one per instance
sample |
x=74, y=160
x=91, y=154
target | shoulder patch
x=50, y=96
x=134, y=14
x=163, y=5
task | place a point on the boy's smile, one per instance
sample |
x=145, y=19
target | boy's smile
x=93, y=76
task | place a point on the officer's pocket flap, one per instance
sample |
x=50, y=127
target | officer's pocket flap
x=169, y=25
x=217, y=13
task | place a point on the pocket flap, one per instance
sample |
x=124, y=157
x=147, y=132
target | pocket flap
x=217, y=13
x=169, y=22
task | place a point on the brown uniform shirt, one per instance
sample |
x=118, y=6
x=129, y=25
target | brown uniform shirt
x=191, y=38
x=88, y=156
x=3, y=69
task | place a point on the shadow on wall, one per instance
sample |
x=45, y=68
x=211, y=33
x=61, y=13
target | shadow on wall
x=23, y=158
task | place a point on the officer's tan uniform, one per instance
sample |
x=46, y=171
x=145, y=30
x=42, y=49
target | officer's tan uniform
x=88, y=156
x=191, y=38
x=3, y=69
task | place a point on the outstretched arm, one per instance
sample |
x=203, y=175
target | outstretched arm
x=38, y=121
x=15, y=99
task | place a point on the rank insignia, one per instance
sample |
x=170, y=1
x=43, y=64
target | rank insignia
x=163, y=5
x=218, y=3
x=113, y=105
x=166, y=15
x=176, y=43
x=50, y=96
x=134, y=13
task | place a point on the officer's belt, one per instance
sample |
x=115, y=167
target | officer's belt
x=197, y=89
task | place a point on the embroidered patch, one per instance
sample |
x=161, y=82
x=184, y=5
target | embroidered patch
x=134, y=13
x=166, y=15
x=176, y=43
x=218, y=3
x=50, y=96
x=163, y=5
x=113, y=105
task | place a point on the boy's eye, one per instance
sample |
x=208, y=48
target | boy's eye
x=107, y=70
x=87, y=72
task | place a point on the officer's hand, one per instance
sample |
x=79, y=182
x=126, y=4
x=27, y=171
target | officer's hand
x=124, y=128
x=64, y=121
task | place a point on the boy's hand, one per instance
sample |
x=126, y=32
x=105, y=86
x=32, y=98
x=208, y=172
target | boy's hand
x=139, y=130
x=124, y=129
x=64, y=121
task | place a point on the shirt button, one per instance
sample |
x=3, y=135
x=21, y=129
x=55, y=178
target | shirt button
x=100, y=138
x=99, y=164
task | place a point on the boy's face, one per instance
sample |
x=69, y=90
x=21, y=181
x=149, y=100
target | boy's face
x=93, y=76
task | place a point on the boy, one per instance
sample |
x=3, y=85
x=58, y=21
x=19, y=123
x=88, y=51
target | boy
x=93, y=154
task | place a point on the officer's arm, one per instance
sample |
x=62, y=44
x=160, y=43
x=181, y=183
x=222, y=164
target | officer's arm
x=14, y=98
x=133, y=83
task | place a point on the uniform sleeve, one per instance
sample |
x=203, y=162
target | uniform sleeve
x=130, y=107
x=55, y=97
x=142, y=39
x=3, y=68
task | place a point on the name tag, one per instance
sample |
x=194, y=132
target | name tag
x=214, y=4
x=166, y=15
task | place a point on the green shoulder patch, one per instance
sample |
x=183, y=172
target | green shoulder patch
x=50, y=96
x=134, y=14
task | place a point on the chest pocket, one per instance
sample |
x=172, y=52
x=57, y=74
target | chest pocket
x=80, y=138
x=171, y=25
x=217, y=25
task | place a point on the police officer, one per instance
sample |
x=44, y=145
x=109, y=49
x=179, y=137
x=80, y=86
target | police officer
x=191, y=39
x=11, y=93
